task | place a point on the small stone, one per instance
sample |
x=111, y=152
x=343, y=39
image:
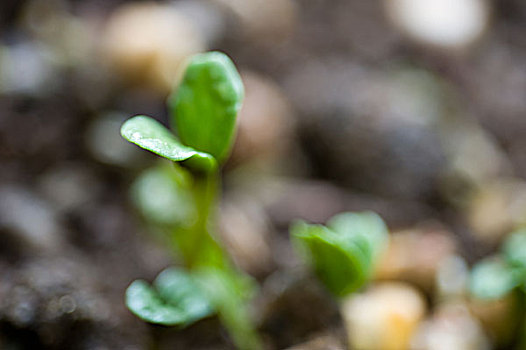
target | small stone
x=451, y=327
x=206, y=16
x=265, y=124
x=415, y=256
x=264, y=21
x=452, y=277
x=447, y=24
x=30, y=218
x=496, y=208
x=359, y=124
x=69, y=186
x=146, y=43
x=69, y=38
x=384, y=317
x=25, y=68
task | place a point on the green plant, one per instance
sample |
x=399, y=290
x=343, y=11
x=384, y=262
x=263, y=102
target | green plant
x=504, y=275
x=496, y=276
x=203, y=110
x=342, y=253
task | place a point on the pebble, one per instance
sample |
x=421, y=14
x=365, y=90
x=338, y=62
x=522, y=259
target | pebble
x=146, y=42
x=415, y=256
x=265, y=122
x=26, y=68
x=445, y=24
x=451, y=327
x=360, y=124
x=384, y=317
x=207, y=18
x=29, y=218
x=69, y=186
x=452, y=277
x=497, y=208
x=264, y=21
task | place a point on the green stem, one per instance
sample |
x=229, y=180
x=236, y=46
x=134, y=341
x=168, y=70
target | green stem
x=201, y=251
x=203, y=245
x=194, y=242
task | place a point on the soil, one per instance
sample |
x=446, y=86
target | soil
x=67, y=256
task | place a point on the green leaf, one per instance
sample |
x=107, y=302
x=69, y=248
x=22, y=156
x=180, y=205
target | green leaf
x=514, y=248
x=205, y=106
x=176, y=299
x=340, y=263
x=162, y=198
x=179, y=288
x=492, y=278
x=367, y=229
x=151, y=135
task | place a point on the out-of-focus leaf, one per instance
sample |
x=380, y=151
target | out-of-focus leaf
x=179, y=288
x=339, y=262
x=367, y=229
x=204, y=107
x=176, y=299
x=514, y=248
x=492, y=278
x=229, y=293
x=162, y=198
x=149, y=134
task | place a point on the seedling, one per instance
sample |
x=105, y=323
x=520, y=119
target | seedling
x=344, y=252
x=502, y=275
x=203, y=110
x=496, y=276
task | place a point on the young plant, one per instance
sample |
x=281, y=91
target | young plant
x=495, y=277
x=344, y=252
x=203, y=110
x=503, y=275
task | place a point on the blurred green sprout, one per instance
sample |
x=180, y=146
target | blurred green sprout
x=203, y=111
x=344, y=252
x=495, y=277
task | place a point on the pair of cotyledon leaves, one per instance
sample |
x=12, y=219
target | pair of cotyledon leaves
x=342, y=253
x=180, y=298
x=497, y=276
x=174, y=299
x=203, y=110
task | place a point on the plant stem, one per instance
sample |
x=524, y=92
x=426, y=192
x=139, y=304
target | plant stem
x=202, y=252
x=194, y=242
x=204, y=249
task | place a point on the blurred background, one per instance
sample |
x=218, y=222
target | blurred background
x=415, y=109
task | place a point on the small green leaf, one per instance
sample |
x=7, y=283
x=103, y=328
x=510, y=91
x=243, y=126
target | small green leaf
x=179, y=288
x=492, y=278
x=514, y=248
x=367, y=229
x=205, y=106
x=176, y=299
x=162, y=198
x=340, y=263
x=151, y=135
